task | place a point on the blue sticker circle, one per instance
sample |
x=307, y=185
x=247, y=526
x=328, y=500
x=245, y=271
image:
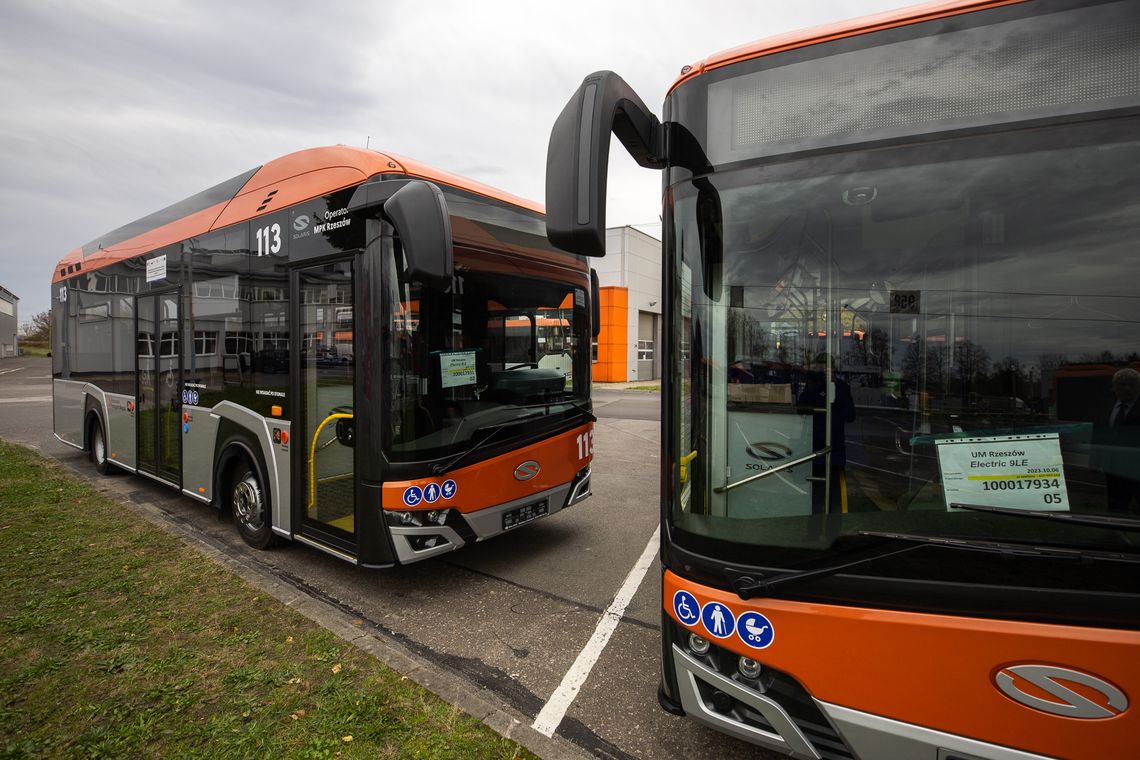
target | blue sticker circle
x=686, y=608
x=413, y=495
x=755, y=630
x=431, y=493
x=718, y=619
x=449, y=489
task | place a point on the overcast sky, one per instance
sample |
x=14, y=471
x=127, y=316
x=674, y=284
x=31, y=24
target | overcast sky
x=112, y=110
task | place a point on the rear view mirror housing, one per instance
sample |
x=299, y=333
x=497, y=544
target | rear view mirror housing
x=577, y=158
x=417, y=210
x=595, y=303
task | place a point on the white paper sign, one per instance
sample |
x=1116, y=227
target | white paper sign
x=156, y=268
x=457, y=368
x=1013, y=471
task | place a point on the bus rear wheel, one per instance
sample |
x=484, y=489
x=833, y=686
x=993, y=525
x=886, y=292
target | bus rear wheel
x=97, y=447
x=250, y=508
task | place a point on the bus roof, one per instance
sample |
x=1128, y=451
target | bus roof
x=828, y=32
x=281, y=182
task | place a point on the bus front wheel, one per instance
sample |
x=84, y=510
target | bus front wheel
x=97, y=447
x=250, y=507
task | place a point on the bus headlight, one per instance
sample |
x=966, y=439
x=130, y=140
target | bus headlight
x=698, y=645
x=749, y=668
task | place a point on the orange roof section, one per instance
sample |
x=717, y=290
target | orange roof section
x=308, y=174
x=828, y=32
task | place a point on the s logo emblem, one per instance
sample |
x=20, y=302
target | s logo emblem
x=300, y=223
x=1065, y=701
x=527, y=470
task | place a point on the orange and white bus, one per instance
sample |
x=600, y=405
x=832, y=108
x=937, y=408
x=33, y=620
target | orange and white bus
x=885, y=534
x=319, y=346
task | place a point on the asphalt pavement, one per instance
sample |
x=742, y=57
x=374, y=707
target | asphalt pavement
x=507, y=629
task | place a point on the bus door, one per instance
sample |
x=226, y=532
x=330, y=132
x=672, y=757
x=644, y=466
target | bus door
x=158, y=378
x=326, y=416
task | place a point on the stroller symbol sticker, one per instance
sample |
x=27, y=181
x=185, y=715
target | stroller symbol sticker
x=755, y=630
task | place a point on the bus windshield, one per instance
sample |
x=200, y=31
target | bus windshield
x=868, y=339
x=507, y=342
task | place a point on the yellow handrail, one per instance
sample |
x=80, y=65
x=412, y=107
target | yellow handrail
x=685, y=459
x=313, y=456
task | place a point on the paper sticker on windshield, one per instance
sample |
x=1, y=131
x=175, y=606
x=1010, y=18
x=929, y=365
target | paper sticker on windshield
x=1013, y=471
x=457, y=368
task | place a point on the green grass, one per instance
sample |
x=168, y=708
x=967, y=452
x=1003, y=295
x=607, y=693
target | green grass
x=33, y=349
x=116, y=640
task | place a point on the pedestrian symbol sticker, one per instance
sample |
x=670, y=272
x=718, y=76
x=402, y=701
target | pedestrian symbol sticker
x=718, y=619
x=413, y=495
x=686, y=608
x=449, y=489
x=431, y=493
x=755, y=630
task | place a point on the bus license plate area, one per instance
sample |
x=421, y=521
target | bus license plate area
x=524, y=514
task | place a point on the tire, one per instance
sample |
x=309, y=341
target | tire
x=249, y=505
x=97, y=448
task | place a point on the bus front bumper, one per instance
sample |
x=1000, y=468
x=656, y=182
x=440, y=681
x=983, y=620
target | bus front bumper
x=416, y=543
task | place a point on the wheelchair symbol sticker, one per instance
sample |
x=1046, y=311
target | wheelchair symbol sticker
x=686, y=608
x=755, y=630
x=413, y=495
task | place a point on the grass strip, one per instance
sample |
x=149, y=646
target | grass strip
x=116, y=640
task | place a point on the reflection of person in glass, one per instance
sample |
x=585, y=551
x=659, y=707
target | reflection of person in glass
x=814, y=395
x=1116, y=444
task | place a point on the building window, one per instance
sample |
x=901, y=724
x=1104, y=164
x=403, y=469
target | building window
x=169, y=344
x=645, y=350
x=205, y=343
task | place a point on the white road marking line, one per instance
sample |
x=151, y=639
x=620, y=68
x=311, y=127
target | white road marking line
x=24, y=400
x=10, y=371
x=555, y=709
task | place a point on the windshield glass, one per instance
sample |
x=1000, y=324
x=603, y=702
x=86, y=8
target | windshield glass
x=865, y=340
x=508, y=341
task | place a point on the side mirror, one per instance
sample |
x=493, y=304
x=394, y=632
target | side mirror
x=418, y=211
x=595, y=303
x=577, y=158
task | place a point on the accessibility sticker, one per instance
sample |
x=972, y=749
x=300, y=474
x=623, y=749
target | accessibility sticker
x=413, y=495
x=431, y=493
x=449, y=488
x=718, y=619
x=755, y=630
x=686, y=608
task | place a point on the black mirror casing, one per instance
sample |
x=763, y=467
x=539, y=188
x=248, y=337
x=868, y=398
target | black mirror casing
x=577, y=158
x=418, y=211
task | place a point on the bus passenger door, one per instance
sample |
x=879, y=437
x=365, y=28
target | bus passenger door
x=158, y=378
x=327, y=351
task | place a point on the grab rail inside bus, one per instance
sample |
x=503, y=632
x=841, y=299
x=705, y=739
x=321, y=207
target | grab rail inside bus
x=774, y=470
x=313, y=456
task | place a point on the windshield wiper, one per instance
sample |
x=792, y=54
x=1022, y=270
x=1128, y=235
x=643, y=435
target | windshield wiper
x=748, y=587
x=1097, y=521
x=441, y=467
x=1007, y=548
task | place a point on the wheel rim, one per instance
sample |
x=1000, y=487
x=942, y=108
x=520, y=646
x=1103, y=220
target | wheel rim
x=98, y=447
x=248, y=504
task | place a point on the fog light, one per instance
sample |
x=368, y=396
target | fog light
x=698, y=645
x=407, y=518
x=749, y=668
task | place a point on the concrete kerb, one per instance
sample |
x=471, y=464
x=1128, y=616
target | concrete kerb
x=448, y=686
